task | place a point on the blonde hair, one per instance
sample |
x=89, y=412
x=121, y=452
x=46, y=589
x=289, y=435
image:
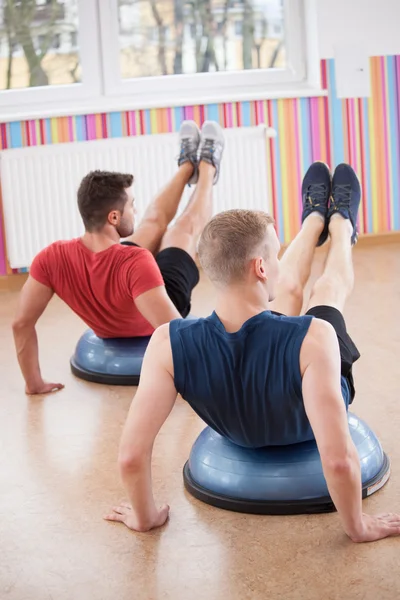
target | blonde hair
x=230, y=240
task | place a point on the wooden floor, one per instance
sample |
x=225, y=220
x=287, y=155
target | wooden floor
x=58, y=477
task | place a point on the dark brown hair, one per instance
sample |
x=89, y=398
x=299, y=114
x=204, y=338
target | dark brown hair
x=230, y=240
x=99, y=193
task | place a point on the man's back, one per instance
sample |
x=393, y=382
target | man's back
x=100, y=287
x=247, y=385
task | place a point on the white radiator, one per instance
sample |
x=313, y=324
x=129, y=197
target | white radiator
x=39, y=184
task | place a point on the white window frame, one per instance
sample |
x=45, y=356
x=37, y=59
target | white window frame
x=89, y=52
x=198, y=88
x=103, y=90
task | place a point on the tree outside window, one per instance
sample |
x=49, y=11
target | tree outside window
x=203, y=36
x=37, y=46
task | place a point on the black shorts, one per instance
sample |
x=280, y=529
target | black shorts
x=180, y=274
x=348, y=350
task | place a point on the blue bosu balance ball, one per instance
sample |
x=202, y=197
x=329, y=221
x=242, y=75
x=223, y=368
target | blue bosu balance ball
x=113, y=361
x=278, y=479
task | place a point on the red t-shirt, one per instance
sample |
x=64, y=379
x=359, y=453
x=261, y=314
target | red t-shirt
x=100, y=287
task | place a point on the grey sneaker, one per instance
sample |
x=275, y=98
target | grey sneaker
x=212, y=145
x=189, y=139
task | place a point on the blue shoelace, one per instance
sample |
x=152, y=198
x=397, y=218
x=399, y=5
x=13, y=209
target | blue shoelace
x=341, y=196
x=316, y=193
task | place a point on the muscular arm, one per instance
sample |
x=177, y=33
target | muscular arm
x=156, y=307
x=320, y=366
x=33, y=300
x=151, y=406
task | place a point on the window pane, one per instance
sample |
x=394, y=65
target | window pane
x=166, y=37
x=38, y=43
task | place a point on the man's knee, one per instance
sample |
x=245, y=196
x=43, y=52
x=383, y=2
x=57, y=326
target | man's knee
x=188, y=224
x=155, y=218
x=327, y=287
x=288, y=286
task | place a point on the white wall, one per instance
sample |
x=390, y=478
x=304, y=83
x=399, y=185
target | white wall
x=372, y=24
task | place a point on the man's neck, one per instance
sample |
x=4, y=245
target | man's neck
x=99, y=240
x=237, y=304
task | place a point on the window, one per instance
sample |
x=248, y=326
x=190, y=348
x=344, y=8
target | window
x=149, y=52
x=38, y=58
x=38, y=33
x=204, y=35
x=231, y=44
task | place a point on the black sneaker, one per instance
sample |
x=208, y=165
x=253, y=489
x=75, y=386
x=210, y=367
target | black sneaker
x=346, y=196
x=189, y=140
x=315, y=192
x=212, y=145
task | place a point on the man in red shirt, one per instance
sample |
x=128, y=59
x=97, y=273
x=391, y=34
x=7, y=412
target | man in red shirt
x=128, y=289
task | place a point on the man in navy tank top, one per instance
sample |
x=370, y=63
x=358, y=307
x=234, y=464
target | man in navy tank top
x=255, y=371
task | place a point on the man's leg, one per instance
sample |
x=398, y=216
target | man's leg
x=187, y=229
x=161, y=211
x=295, y=265
x=164, y=207
x=331, y=290
x=337, y=279
x=176, y=258
x=184, y=234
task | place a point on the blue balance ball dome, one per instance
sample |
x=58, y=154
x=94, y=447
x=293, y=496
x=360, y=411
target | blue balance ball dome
x=277, y=479
x=112, y=361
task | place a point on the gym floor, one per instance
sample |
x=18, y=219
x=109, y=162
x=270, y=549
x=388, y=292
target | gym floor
x=58, y=477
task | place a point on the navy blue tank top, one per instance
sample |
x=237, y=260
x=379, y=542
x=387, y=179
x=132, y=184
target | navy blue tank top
x=246, y=385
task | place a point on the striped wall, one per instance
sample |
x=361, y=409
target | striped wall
x=363, y=132
x=366, y=133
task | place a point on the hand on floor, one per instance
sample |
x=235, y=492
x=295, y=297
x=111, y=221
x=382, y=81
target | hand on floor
x=378, y=527
x=43, y=388
x=124, y=514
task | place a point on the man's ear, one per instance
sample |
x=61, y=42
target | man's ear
x=259, y=268
x=114, y=217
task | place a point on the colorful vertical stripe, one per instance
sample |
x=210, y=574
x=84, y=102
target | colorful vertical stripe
x=364, y=132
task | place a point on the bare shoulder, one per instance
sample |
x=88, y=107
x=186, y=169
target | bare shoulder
x=161, y=334
x=159, y=347
x=320, y=342
x=320, y=332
